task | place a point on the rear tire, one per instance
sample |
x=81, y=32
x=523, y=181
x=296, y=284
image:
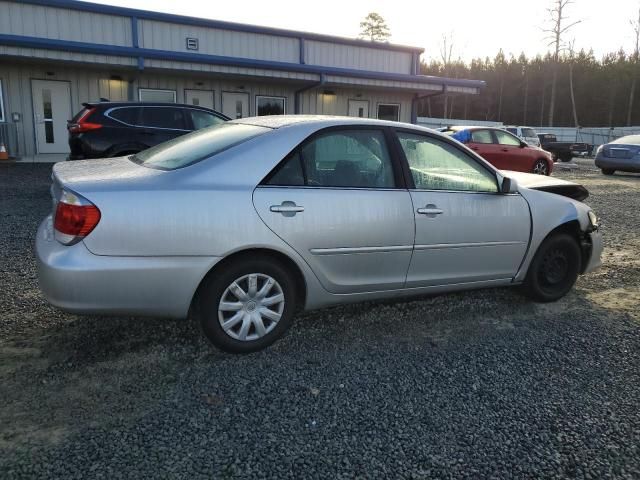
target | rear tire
x=608, y=171
x=250, y=318
x=566, y=157
x=554, y=269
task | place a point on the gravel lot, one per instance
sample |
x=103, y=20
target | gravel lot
x=480, y=384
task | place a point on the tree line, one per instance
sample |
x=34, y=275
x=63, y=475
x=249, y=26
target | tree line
x=519, y=89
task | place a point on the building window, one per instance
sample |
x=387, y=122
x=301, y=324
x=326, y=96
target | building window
x=389, y=111
x=270, y=105
x=156, y=95
x=2, y=119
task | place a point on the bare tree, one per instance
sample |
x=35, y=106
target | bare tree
x=558, y=28
x=446, y=54
x=375, y=28
x=571, y=90
x=635, y=71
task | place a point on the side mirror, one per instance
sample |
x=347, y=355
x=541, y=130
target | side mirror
x=509, y=185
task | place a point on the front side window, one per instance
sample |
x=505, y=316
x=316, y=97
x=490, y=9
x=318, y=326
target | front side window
x=202, y=119
x=481, y=136
x=436, y=165
x=163, y=117
x=346, y=158
x=505, y=138
x=197, y=146
x=157, y=95
x=389, y=111
x=270, y=105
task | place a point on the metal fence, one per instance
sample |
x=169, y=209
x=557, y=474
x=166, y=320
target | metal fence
x=594, y=136
x=9, y=138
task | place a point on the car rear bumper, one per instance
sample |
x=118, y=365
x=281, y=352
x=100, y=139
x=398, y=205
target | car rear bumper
x=595, y=254
x=624, y=164
x=75, y=280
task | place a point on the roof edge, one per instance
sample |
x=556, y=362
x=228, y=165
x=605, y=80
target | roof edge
x=221, y=24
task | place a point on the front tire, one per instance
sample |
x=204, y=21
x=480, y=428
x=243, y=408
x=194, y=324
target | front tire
x=540, y=167
x=554, y=269
x=248, y=305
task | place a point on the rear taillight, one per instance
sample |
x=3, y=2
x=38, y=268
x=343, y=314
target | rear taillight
x=75, y=218
x=82, y=125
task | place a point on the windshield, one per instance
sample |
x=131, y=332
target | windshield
x=629, y=139
x=196, y=146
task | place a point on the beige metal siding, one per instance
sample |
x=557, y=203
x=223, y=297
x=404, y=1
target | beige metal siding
x=64, y=24
x=68, y=56
x=213, y=41
x=359, y=58
x=316, y=102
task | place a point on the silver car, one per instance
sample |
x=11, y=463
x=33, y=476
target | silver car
x=244, y=223
x=622, y=154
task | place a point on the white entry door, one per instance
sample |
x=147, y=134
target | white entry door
x=200, y=98
x=359, y=108
x=235, y=105
x=51, y=110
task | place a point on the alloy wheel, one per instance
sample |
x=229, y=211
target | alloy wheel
x=541, y=168
x=251, y=307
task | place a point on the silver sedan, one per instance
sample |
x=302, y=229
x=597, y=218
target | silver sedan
x=244, y=223
x=622, y=155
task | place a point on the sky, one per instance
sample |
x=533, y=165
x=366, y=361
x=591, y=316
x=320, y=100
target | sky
x=477, y=28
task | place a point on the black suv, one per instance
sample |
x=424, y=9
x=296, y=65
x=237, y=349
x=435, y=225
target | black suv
x=112, y=129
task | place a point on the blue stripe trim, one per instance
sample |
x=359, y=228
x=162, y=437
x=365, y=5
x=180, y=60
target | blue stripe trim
x=81, y=47
x=200, y=22
x=134, y=32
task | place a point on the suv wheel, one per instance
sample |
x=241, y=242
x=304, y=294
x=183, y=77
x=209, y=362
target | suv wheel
x=554, y=269
x=248, y=305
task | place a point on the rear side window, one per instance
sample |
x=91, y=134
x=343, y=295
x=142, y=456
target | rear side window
x=529, y=132
x=346, y=158
x=202, y=119
x=196, y=146
x=163, y=117
x=128, y=115
x=481, y=136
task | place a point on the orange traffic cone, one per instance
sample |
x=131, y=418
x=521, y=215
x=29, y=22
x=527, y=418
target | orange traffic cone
x=3, y=152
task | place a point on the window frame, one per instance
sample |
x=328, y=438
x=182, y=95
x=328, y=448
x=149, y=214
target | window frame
x=166, y=90
x=2, y=112
x=390, y=140
x=384, y=104
x=406, y=170
x=284, y=102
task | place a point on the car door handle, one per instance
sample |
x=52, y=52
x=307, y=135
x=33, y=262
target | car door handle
x=505, y=149
x=288, y=209
x=430, y=210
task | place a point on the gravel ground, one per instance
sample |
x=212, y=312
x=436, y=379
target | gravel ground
x=480, y=384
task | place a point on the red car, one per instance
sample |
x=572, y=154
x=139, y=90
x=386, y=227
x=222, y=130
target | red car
x=503, y=149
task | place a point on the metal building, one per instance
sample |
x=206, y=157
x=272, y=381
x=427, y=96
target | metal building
x=57, y=54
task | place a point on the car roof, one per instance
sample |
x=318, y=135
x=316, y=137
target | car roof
x=321, y=121
x=458, y=128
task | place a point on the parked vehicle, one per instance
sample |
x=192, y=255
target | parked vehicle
x=246, y=222
x=622, y=154
x=527, y=134
x=563, y=151
x=113, y=129
x=503, y=149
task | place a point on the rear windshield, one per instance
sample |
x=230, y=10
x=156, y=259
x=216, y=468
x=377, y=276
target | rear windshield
x=196, y=146
x=529, y=132
x=630, y=139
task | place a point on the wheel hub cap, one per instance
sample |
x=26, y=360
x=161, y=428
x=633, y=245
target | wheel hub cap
x=251, y=307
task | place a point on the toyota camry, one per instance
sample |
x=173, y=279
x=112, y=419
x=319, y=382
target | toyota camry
x=244, y=223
